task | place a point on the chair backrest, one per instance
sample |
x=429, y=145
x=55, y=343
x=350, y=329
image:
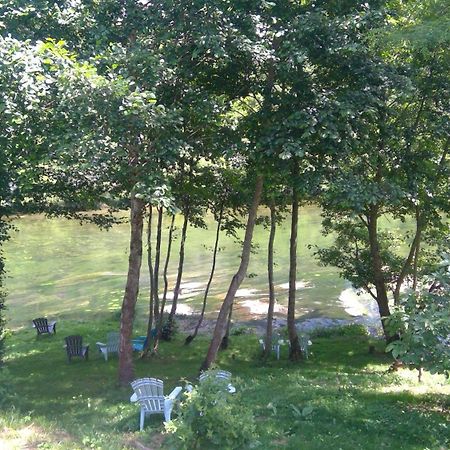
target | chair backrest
x=41, y=325
x=112, y=341
x=304, y=342
x=74, y=345
x=218, y=374
x=149, y=393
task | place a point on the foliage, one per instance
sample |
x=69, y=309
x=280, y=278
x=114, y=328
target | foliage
x=169, y=329
x=423, y=323
x=211, y=417
x=353, y=329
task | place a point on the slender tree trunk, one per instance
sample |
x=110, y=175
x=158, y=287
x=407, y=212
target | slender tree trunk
x=378, y=276
x=166, y=286
x=226, y=339
x=191, y=337
x=126, y=369
x=295, y=352
x=166, y=264
x=416, y=263
x=222, y=322
x=176, y=291
x=157, y=262
x=151, y=285
x=273, y=227
x=412, y=258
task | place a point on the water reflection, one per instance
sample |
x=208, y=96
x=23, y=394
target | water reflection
x=57, y=267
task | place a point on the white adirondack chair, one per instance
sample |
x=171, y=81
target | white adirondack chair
x=276, y=346
x=148, y=392
x=305, y=342
x=218, y=375
x=112, y=345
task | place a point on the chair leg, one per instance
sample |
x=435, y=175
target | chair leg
x=141, y=420
x=168, y=406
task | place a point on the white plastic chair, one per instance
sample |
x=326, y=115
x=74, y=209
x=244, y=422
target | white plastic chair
x=218, y=375
x=112, y=345
x=148, y=392
x=276, y=345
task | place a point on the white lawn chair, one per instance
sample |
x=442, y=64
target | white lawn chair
x=276, y=345
x=305, y=342
x=148, y=392
x=112, y=345
x=218, y=375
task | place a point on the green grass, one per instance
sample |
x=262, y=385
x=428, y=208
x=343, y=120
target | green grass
x=354, y=402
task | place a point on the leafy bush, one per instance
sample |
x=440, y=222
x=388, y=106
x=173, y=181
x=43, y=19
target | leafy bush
x=423, y=323
x=169, y=329
x=210, y=417
x=241, y=330
x=353, y=329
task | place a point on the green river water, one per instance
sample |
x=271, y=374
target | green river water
x=58, y=268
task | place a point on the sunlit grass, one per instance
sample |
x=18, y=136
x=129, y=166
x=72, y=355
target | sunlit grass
x=355, y=402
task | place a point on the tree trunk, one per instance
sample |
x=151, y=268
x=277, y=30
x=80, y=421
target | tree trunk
x=273, y=225
x=151, y=285
x=377, y=269
x=154, y=300
x=190, y=338
x=157, y=261
x=166, y=264
x=222, y=322
x=126, y=369
x=176, y=290
x=166, y=285
x=416, y=263
x=412, y=258
x=295, y=352
x=226, y=339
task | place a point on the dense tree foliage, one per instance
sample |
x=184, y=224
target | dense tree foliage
x=145, y=105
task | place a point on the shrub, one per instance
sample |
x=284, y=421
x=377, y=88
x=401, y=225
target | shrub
x=210, y=417
x=422, y=322
x=241, y=330
x=353, y=329
x=169, y=329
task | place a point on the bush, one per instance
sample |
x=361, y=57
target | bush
x=353, y=329
x=210, y=418
x=241, y=330
x=422, y=322
x=169, y=329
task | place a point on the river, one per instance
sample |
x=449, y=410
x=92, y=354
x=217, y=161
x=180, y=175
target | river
x=59, y=268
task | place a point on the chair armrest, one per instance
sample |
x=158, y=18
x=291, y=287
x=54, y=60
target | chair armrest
x=231, y=389
x=174, y=394
x=100, y=344
x=133, y=398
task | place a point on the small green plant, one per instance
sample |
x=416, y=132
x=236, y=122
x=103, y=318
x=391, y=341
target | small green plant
x=210, y=417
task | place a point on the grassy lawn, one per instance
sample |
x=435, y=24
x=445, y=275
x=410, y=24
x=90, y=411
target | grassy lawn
x=351, y=401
